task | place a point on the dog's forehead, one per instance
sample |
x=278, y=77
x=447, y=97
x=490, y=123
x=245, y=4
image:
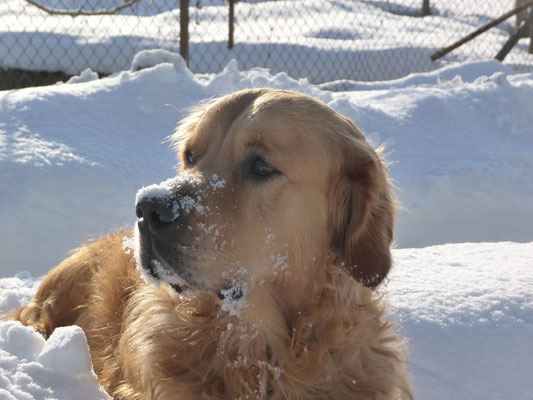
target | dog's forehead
x=219, y=117
x=285, y=124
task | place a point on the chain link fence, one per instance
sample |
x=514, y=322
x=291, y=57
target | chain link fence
x=42, y=41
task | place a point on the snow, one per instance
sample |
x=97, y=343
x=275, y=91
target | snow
x=58, y=368
x=32, y=368
x=466, y=310
x=158, y=191
x=73, y=157
x=234, y=300
x=162, y=193
x=151, y=58
x=87, y=75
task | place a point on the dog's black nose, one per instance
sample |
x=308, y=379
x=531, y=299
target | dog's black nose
x=157, y=213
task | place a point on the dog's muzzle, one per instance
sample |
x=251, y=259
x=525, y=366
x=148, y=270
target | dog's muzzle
x=163, y=217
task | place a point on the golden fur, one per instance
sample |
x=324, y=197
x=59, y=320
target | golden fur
x=308, y=243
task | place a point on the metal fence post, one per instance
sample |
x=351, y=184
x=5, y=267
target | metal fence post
x=184, y=30
x=425, y=8
x=231, y=24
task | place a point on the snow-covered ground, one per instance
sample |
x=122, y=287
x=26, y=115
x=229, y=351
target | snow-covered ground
x=34, y=369
x=321, y=40
x=72, y=157
x=466, y=309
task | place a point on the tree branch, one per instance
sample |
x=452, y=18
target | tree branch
x=80, y=11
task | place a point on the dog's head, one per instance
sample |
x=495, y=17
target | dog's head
x=272, y=185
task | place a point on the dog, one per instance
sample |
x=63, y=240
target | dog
x=249, y=275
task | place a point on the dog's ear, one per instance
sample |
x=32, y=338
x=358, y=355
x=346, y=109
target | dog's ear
x=363, y=212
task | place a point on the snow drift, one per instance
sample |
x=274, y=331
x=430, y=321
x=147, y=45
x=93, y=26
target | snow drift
x=465, y=309
x=72, y=156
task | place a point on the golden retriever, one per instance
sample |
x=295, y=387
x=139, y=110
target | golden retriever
x=253, y=270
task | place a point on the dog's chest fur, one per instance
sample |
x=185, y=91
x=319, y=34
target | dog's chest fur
x=187, y=347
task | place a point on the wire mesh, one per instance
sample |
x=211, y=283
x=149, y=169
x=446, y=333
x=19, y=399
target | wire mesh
x=46, y=40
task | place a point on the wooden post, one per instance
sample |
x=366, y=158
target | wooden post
x=479, y=31
x=425, y=8
x=511, y=42
x=231, y=24
x=184, y=30
x=522, y=15
x=523, y=30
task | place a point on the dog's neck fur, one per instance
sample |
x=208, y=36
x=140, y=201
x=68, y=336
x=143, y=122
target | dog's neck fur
x=273, y=344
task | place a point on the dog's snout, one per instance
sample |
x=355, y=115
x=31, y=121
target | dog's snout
x=157, y=213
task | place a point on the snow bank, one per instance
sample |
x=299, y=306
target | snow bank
x=469, y=71
x=59, y=368
x=73, y=156
x=34, y=369
x=465, y=309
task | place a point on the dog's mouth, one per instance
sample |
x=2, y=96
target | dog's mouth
x=160, y=261
x=163, y=264
x=160, y=273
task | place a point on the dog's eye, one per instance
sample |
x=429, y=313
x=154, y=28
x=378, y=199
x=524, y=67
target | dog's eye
x=260, y=169
x=189, y=158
